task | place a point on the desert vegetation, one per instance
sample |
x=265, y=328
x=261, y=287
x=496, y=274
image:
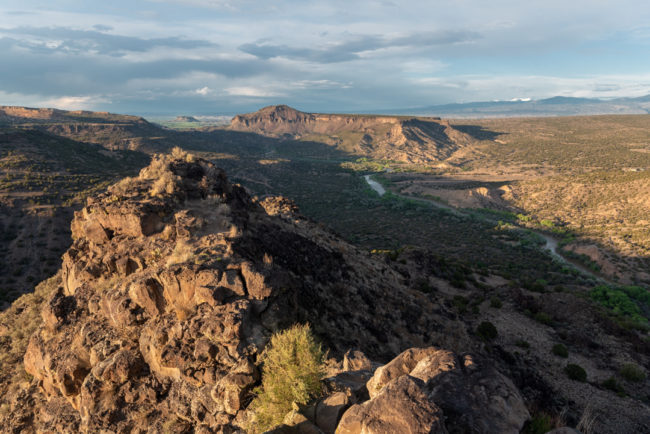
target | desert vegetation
x=291, y=376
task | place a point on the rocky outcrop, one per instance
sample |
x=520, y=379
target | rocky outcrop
x=411, y=140
x=174, y=283
x=402, y=406
x=422, y=390
x=429, y=390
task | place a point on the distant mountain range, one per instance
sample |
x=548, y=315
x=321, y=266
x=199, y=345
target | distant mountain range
x=555, y=106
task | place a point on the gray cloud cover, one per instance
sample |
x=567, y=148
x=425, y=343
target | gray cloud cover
x=28, y=68
x=351, y=49
x=94, y=41
x=224, y=56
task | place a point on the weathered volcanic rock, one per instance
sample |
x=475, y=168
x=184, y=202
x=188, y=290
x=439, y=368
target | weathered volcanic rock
x=174, y=283
x=435, y=391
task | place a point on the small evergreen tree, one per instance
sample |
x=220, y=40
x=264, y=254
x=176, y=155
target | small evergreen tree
x=293, y=367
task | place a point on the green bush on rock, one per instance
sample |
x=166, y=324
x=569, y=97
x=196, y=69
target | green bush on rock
x=632, y=373
x=291, y=375
x=576, y=372
x=560, y=350
x=487, y=331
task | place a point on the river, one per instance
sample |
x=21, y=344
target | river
x=375, y=185
x=550, y=245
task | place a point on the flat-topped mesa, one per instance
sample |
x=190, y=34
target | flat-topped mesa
x=173, y=285
x=275, y=120
x=17, y=114
x=29, y=113
x=182, y=118
x=405, y=139
x=282, y=119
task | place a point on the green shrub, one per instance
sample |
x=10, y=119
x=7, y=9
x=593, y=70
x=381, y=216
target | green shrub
x=487, y=331
x=544, y=318
x=495, y=302
x=632, y=373
x=576, y=372
x=625, y=301
x=422, y=285
x=460, y=303
x=291, y=374
x=540, y=423
x=613, y=385
x=560, y=350
x=522, y=343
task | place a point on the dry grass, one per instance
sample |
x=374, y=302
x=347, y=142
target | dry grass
x=183, y=252
x=268, y=261
x=124, y=186
x=234, y=232
x=167, y=183
x=159, y=165
x=587, y=421
x=179, y=154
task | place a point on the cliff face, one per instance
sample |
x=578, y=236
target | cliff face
x=173, y=285
x=410, y=140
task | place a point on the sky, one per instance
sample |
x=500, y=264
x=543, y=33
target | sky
x=203, y=57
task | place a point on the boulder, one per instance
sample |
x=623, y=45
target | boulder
x=330, y=410
x=402, y=406
x=472, y=396
x=296, y=423
x=400, y=365
x=355, y=360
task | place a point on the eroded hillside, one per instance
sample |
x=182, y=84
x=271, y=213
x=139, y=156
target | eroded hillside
x=114, y=132
x=401, y=139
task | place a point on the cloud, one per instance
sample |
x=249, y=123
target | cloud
x=485, y=88
x=251, y=91
x=353, y=47
x=319, y=84
x=102, y=28
x=20, y=13
x=51, y=72
x=75, y=102
x=73, y=41
x=205, y=90
x=202, y=55
x=200, y=3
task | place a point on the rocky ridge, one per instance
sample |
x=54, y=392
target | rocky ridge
x=173, y=285
x=404, y=139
